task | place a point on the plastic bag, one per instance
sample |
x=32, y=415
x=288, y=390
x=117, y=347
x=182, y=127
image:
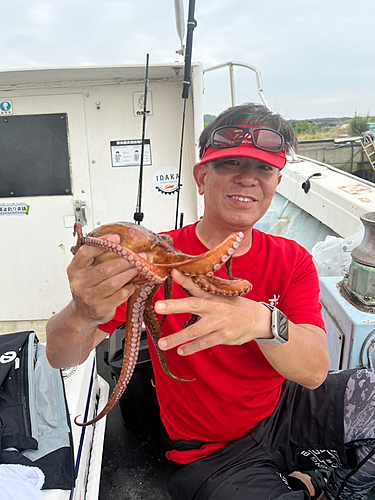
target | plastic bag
x=333, y=255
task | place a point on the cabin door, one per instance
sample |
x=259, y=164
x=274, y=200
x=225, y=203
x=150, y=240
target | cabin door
x=44, y=177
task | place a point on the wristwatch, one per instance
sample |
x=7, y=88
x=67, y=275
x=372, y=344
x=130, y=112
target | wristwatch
x=279, y=327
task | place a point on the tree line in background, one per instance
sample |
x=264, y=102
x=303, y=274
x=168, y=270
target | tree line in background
x=325, y=128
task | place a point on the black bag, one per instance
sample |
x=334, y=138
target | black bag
x=34, y=420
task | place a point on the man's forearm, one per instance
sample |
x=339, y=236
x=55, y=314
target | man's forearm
x=304, y=358
x=70, y=338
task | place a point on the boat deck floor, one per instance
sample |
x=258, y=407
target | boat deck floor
x=133, y=467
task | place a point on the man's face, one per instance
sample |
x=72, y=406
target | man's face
x=237, y=191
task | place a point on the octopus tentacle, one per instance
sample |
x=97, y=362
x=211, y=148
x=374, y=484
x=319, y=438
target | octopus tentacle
x=221, y=286
x=228, y=268
x=194, y=317
x=210, y=261
x=133, y=329
x=155, y=334
x=145, y=268
x=167, y=295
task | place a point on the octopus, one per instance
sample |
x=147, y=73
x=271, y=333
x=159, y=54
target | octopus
x=154, y=272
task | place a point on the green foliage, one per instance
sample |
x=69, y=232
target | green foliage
x=300, y=126
x=359, y=124
x=310, y=131
x=208, y=119
x=304, y=127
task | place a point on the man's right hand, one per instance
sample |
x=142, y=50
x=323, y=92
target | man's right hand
x=97, y=290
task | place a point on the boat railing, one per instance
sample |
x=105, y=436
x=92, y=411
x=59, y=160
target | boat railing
x=339, y=171
x=256, y=70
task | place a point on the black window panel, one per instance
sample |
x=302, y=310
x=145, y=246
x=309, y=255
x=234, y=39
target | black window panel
x=34, y=156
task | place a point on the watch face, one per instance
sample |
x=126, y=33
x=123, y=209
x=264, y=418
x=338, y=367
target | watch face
x=279, y=326
x=283, y=326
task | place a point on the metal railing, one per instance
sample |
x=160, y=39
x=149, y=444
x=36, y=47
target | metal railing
x=231, y=76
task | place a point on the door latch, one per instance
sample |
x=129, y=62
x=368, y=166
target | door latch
x=80, y=212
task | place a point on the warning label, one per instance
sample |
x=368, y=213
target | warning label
x=128, y=153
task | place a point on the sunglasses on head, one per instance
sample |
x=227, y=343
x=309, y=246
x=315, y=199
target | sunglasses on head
x=232, y=136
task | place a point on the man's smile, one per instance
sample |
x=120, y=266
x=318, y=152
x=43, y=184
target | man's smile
x=243, y=199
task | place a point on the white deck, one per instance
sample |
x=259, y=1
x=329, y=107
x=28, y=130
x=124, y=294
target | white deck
x=82, y=389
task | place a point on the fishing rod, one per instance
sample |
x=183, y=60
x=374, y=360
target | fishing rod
x=191, y=24
x=138, y=214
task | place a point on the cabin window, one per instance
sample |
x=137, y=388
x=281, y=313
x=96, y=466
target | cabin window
x=34, y=156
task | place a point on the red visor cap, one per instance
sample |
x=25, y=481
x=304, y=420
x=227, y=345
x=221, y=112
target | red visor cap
x=246, y=149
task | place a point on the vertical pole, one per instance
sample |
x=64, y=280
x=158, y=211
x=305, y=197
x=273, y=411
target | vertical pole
x=138, y=215
x=231, y=76
x=191, y=24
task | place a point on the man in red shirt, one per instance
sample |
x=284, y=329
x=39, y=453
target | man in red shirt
x=260, y=404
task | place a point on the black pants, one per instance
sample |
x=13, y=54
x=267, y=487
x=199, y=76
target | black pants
x=306, y=431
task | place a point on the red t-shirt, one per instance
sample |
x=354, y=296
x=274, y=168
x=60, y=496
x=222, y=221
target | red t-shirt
x=234, y=387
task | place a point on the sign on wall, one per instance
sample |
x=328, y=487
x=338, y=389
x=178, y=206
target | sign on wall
x=128, y=153
x=6, y=108
x=139, y=103
x=14, y=209
x=165, y=181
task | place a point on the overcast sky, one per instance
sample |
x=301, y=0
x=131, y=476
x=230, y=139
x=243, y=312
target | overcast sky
x=316, y=57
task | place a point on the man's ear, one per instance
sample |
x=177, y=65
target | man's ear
x=199, y=173
x=279, y=179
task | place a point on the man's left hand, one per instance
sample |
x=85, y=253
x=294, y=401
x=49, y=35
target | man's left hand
x=223, y=319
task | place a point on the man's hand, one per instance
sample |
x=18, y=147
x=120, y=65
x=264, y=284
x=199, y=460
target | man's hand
x=235, y=320
x=223, y=319
x=98, y=290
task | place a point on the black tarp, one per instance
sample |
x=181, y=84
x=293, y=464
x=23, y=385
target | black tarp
x=34, y=420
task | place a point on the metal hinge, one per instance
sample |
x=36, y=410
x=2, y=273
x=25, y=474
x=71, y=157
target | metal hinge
x=80, y=212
